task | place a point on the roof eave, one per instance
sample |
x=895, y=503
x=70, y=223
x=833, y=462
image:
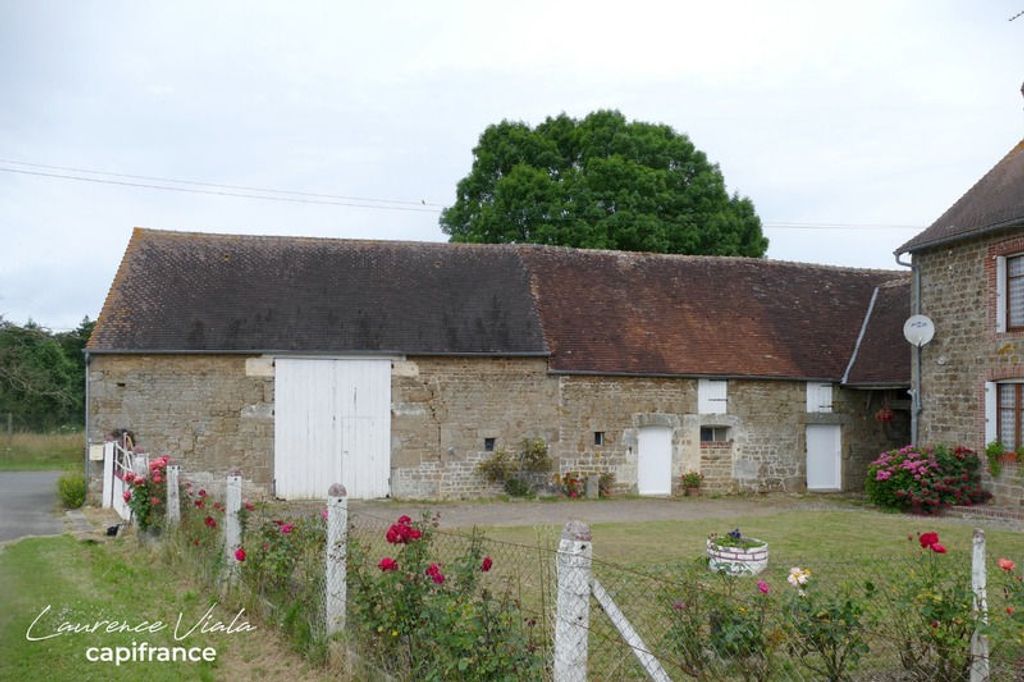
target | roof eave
x=995, y=227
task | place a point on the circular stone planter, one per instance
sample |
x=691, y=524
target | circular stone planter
x=738, y=560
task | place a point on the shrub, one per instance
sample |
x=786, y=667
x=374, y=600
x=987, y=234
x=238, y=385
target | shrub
x=925, y=479
x=514, y=471
x=420, y=619
x=71, y=489
x=148, y=494
x=829, y=629
x=572, y=484
x=605, y=484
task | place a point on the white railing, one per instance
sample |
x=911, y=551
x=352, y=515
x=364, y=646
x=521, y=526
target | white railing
x=118, y=461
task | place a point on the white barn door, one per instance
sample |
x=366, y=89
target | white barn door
x=824, y=448
x=332, y=423
x=654, y=461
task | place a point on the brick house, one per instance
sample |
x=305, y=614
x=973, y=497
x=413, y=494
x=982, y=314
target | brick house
x=397, y=367
x=968, y=272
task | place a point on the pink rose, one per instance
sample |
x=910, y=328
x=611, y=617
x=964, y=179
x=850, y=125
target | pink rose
x=240, y=554
x=287, y=528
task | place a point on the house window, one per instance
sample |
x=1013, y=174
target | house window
x=714, y=434
x=598, y=437
x=712, y=396
x=1015, y=292
x=1010, y=293
x=819, y=397
x=1008, y=409
x=489, y=444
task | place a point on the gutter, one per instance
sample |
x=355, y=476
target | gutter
x=325, y=353
x=995, y=227
x=85, y=463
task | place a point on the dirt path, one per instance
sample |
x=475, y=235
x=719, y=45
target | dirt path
x=532, y=513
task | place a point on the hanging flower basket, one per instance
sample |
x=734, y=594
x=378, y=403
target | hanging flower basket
x=884, y=415
x=736, y=554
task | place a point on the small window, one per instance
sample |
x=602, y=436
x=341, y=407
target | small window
x=598, y=437
x=1008, y=408
x=714, y=434
x=489, y=444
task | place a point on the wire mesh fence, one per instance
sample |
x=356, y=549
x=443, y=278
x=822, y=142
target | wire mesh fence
x=417, y=601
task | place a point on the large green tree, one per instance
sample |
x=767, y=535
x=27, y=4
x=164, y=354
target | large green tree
x=601, y=182
x=42, y=374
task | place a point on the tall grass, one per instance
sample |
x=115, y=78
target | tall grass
x=41, y=451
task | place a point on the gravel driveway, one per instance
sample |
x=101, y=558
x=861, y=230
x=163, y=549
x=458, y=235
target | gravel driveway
x=28, y=504
x=530, y=513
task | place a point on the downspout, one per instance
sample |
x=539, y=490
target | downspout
x=85, y=464
x=915, y=309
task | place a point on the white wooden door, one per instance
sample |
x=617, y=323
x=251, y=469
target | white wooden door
x=654, y=461
x=332, y=423
x=824, y=448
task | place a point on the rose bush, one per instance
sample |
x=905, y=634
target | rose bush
x=925, y=479
x=426, y=619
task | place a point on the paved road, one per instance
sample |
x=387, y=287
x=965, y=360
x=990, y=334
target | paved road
x=28, y=504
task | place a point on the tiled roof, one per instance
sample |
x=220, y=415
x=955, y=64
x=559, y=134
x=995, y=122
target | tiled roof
x=995, y=201
x=614, y=312
x=883, y=358
x=591, y=311
x=179, y=291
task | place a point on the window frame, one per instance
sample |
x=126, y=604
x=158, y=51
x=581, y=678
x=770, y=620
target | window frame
x=715, y=428
x=1018, y=390
x=1007, y=278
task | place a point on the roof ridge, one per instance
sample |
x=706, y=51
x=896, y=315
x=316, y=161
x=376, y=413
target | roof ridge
x=517, y=247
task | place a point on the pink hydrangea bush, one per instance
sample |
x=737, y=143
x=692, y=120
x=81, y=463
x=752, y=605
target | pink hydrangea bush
x=925, y=479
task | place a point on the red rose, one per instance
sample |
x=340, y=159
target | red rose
x=928, y=539
x=404, y=520
x=210, y=522
x=939, y=548
x=200, y=503
x=486, y=564
x=240, y=554
x=414, y=534
x=202, y=493
x=287, y=528
x=434, y=571
x=249, y=506
x=127, y=495
x=387, y=564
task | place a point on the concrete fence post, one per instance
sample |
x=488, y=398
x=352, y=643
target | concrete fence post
x=572, y=617
x=979, y=642
x=232, y=525
x=336, y=579
x=173, y=503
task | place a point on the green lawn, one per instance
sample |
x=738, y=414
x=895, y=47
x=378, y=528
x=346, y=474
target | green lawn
x=83, y=582
x=39, y=451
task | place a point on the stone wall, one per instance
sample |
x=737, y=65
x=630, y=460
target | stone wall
x=205, y=410
x=958, y=292
x=215, y=413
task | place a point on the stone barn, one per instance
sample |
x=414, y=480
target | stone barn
x=398, y=367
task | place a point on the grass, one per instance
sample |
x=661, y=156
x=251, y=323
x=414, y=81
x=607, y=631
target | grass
x=41, y=451
x=83, y=582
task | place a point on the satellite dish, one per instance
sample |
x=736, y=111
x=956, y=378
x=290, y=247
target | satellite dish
x=918, y=330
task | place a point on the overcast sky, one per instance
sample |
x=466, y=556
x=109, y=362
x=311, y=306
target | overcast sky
x=866, y=114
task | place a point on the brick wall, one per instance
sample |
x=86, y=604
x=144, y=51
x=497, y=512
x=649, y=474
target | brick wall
x=958, y=291
x=216, y=413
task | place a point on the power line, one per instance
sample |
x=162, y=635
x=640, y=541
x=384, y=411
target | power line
x=193, y=190
x=245, y=188
x=245, y=192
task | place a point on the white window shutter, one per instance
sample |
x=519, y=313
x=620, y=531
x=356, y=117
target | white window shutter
x=712, y=396
x=819, y=397
x=1000, y=293
x=991, y=416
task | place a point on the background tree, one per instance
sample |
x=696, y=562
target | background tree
x=601, y=182
x=42, y=374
